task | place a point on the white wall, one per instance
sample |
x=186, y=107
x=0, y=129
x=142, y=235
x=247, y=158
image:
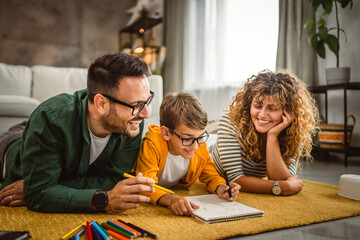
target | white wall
x=349, y=57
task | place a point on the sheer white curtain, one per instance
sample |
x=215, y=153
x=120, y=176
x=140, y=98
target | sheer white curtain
x=204, y=43
x=225, y=42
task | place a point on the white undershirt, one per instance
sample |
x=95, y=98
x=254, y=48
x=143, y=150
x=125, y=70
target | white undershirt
x=97, y=145
x=175, y=168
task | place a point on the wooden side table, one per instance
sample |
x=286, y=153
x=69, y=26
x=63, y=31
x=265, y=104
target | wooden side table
x=323, y=89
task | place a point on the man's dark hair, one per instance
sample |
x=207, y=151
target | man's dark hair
x=106, y=72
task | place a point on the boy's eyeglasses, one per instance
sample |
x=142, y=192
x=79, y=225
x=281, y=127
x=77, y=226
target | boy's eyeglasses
x=136, y=109
x=190, y=141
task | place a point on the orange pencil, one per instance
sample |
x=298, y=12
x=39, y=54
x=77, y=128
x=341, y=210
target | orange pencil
x=138, y=234
x=116, y=235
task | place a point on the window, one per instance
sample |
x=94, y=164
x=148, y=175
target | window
x=226, y=41
x=250, y=38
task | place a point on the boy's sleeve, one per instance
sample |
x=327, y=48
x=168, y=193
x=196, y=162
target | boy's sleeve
x=209, y=175
x=148, y=164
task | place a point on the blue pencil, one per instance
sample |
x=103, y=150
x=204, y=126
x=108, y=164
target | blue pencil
x=101, y=232
x=95, y=233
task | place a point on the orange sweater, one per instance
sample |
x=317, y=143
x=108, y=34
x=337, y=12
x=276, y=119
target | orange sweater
x=152, y=158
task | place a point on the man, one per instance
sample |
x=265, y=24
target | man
x=75, y=148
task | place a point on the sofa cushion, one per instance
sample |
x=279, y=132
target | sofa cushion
x=51, y=81
x=17, y=106
x=15, y=80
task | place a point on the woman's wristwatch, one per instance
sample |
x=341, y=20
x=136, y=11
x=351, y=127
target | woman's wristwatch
x=276, y=190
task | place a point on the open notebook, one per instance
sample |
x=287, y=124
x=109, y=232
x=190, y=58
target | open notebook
x=214, y=209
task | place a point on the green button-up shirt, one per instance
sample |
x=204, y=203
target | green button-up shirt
x=53, y=157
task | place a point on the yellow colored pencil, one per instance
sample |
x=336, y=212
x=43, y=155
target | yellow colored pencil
x=153, y=185
x=69, y=234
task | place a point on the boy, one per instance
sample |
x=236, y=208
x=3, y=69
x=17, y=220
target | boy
x=174, y=154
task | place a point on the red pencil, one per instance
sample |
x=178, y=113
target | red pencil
x=88, y=231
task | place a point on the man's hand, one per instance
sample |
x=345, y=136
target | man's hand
x=179, y=205
x=291, y=185
x=12, y=195
x=222, y=191
x=125, y=195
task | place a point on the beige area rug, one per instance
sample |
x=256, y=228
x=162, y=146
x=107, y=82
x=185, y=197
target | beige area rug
x=318, y=202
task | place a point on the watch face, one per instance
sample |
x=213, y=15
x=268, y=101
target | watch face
x=100, y=200
x=276, y=190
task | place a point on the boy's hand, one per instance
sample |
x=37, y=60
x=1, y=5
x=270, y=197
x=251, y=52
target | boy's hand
x=179, y=205
x=222, y=191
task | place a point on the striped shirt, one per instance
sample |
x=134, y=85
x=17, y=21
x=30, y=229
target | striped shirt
x=229, y=156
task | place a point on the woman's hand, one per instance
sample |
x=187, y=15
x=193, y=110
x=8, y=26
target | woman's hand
x=222, y=191
x=12, y=195
x=276, y=130
x=292, y=185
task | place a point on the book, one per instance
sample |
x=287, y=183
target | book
x=14, y=235
x=214, y=209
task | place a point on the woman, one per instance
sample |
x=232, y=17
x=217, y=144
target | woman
x=268, y=127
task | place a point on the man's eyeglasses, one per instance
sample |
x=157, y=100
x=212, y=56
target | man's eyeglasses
x=190, y=141
x=136, y=109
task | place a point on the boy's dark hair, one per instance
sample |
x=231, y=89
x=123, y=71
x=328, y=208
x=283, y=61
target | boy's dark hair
x=177, y=108
x=106, y=72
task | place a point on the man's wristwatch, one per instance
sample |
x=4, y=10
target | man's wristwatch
x=276, y=190
x=100, y=200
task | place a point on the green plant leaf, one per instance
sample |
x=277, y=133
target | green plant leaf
x=308, y=22
x=311, y=31
x=323, y=33
x=341, y=30
x=320, y=49
x=344, y=3
x=314, y=41
x=321, y=22
x=315, y=4
x=327, y=5
x=333, y=44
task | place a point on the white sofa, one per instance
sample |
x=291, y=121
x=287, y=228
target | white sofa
x=23, y=88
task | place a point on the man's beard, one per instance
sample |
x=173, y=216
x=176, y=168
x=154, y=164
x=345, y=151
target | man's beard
x=112, y=123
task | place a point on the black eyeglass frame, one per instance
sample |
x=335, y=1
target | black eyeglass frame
x=206, y=134
x=133, y=107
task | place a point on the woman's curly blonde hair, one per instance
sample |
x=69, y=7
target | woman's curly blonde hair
x=294, y=97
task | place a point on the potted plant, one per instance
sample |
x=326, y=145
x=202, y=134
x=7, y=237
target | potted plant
x=320, y=35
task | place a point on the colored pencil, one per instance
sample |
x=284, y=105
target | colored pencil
x=117, y=236
x=227, y=183
x=118, y=226
x=72, y=232
x=153, y=185
x=139, y=234
x=88, y=231
x=103, y=235
x=143, y=231
x=102, y=229
x=95, y=233
x=81, y=231
x=114, y=229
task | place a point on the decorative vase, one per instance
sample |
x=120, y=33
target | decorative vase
x=337, y=75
